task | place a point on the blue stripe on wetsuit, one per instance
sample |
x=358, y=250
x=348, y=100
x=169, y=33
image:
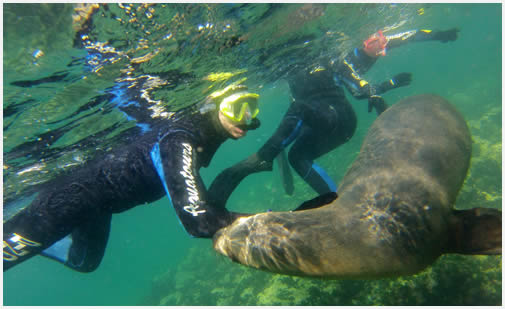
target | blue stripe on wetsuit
x=293, y=134
x=156, y=158
x=325, y=177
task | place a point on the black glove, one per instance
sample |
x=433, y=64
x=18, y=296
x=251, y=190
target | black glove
x=446, y=36
x=402, y=79
x=399, y=80
x=378, y=103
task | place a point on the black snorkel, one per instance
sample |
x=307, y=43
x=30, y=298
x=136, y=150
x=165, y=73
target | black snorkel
x=255, y=123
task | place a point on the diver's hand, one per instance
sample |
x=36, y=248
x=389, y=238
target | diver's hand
x=399, y=80
x=378, y=103
x=402, y=79
x=446, y=36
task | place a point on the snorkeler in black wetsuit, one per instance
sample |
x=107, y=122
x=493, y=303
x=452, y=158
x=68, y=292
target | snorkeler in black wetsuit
x=320, y=117
x=69, y=219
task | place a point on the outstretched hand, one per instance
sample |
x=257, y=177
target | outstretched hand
x=448, y=35
x=402, y=79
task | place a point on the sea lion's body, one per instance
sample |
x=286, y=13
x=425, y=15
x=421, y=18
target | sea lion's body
x=394, y=214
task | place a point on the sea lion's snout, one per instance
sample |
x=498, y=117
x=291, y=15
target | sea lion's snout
x=229, y=241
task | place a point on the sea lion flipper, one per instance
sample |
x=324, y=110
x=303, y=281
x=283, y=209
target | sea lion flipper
x=476, y=231
x=319, y=201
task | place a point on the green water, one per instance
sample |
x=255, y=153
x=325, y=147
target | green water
x=150, y=260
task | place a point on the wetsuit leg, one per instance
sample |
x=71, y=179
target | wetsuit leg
x=109, y=184
x=53, y=214
x=82, y=250
x=328, y=123
x=301, y=158
x=287, y=131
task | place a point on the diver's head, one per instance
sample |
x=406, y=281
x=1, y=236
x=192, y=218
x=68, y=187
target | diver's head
x=237, y=113
x=237, y=109
x=375, y=45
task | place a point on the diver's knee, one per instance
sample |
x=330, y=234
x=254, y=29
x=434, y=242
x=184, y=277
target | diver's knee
x=297, y=161
x=84, y=268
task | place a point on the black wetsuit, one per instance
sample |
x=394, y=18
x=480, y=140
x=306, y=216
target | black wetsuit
x=318, y=120
x=73, y=212
x=320, y=117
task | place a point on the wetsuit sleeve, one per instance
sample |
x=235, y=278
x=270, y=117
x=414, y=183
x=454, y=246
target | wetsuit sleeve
x=353, y=81
x=348, y=71
x=176, y=162
x=421, y=35
x=359, y=87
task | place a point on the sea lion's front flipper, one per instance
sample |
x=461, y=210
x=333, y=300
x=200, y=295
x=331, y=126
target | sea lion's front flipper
x=319, y=201
x=476, y=231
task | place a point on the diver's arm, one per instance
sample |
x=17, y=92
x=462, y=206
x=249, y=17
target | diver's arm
x=347, y=75
x=347, y=70
x=176, y=162
x=395, y=40
x=362, y=89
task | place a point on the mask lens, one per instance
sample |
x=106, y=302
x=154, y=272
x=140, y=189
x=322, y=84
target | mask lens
x=245, y=110
x=237, y=109
x=253, y=108
x=247, y=115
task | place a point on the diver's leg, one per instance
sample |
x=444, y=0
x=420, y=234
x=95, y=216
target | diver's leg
x=52, y=215
x=329, y=123
x=308, y=147
x=82, y=250
x=287, y=131
x=108, y=184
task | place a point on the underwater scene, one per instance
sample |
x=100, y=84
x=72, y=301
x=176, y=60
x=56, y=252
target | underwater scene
x=69, y=68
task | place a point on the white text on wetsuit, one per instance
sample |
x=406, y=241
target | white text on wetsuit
x=186, y=172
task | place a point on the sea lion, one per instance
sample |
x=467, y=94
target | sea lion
x=394, y=213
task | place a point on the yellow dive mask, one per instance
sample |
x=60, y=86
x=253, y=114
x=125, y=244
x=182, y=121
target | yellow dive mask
x=239, y=106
